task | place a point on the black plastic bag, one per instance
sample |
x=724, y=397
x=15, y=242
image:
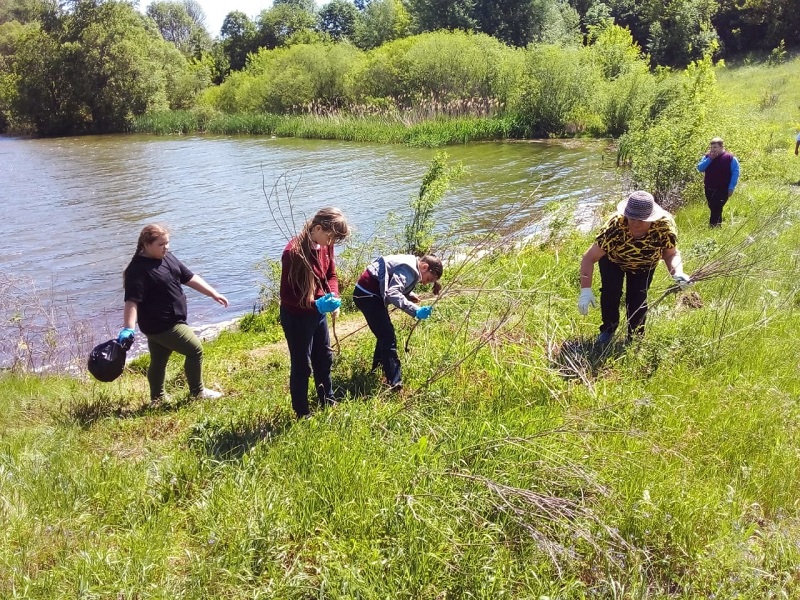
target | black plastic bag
x=107, y=360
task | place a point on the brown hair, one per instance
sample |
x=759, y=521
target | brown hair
x=149, y=234
x=301, y=274
x=434, y=264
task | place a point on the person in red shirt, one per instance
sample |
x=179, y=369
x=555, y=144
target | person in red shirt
x=309, y=291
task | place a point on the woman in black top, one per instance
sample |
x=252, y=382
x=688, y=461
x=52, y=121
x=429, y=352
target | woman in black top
x=154, y=297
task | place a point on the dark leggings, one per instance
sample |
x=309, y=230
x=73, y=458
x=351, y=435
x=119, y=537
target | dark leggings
x=636, y=285
x=377, y=316
x=308, y=340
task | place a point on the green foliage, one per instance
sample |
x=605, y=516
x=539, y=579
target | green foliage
x=97, y=67
x=279, y=24
x=181, y=23
x=381, y=21
x=778, y=55
x=419, y=232
x=663, y=151
x=338, y=19
x=239, y=38
x=557, y=95
x=681, y=31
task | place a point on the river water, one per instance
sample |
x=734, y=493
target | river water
x=73, y=208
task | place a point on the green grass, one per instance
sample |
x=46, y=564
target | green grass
x=665, y=469
x=439, y=132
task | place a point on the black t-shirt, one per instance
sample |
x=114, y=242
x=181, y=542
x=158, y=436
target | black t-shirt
x=154, y=284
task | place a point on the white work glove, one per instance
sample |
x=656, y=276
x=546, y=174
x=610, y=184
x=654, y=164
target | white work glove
x=682, y=279
x=585, y=299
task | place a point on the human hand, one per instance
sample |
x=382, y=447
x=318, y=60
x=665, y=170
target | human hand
x=221, y=299
x=585, y=299
x=423, y=312
x=413, y=297
x=682, y=279
x=328, y=303
x=125, y=337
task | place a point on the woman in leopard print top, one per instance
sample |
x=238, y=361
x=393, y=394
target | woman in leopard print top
x=628, y=249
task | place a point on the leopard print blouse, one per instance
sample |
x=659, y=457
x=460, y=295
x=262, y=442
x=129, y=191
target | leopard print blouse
x=636, y=254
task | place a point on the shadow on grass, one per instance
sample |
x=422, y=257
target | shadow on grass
x=85, y=412
x=584, y=358
x=360, y=382
x=230, y=440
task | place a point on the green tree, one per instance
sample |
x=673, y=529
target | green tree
x=93, y=69
x=681, y=31
x=338, y=19
x=430, y=15
x=239, y=38
x=381, y=22
x=282, y=22
x=512, y=21
x=181, y=23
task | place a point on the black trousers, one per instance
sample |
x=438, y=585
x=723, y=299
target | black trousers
x=308, y=340
x=377, y=316
x=636, y=285
x=716, y=199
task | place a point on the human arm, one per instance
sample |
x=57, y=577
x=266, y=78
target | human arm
x=590, y=257
x=199, y=284
x=734, y=176
x=672, y=259
x=129, y=315
x=704, y=162
x=396, y=291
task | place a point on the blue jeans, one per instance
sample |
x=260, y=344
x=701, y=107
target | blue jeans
x=377, y=316
x=308, y=341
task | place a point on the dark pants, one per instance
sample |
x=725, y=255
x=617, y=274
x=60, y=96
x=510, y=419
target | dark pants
x=377, y=316
x=716, y=199
x=307, y=338
x=636, y=285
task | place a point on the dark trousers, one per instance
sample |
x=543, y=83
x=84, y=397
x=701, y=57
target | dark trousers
x=377, y=316
x=716, y=199
x=636, y=285
x=308, y=340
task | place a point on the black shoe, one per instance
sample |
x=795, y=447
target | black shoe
x=605, y=337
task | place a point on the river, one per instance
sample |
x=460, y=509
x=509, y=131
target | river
x=73, y=208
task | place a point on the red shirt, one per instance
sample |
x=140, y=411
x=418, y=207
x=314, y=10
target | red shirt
x=323, y=264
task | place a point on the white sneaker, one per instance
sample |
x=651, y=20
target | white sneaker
x=209, y=394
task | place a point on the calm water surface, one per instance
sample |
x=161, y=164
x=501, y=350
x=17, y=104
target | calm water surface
x=72, y=207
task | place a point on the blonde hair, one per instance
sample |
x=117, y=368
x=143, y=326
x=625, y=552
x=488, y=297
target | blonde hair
x=301, y=274
x=149, y=234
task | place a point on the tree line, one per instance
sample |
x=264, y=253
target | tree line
x=91, y=65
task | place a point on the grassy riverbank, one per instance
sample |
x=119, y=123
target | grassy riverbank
x=521, y=462
x=438, y=132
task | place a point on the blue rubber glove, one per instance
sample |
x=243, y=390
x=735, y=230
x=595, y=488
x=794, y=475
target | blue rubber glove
x=328, y=303
x=125, y=337
x=423, y=312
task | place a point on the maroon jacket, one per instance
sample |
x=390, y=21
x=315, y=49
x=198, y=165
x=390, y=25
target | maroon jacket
x=324, y=265
x=718, y=173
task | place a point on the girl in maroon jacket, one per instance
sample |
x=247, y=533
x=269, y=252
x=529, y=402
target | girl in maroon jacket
x=310, y=290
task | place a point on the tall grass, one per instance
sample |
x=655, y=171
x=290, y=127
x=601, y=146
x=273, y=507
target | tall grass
x=440, y=132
